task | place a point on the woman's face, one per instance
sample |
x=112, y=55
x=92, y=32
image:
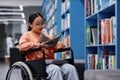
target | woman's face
x=37, y=25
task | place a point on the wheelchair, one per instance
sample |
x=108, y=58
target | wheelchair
x=34, y=69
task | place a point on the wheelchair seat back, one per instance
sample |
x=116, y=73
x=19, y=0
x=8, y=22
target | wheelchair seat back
x=16, y=55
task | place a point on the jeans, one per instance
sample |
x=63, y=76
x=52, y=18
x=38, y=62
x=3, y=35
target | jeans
x=63, y=72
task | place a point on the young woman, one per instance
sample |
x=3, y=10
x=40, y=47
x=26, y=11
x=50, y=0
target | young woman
x=31, y=39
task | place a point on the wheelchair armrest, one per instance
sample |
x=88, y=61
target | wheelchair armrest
x=64, y=49
x=32, y=49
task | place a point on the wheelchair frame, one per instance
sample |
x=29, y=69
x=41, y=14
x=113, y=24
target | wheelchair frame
x=31, y=70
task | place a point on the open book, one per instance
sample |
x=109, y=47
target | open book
x=49, y=41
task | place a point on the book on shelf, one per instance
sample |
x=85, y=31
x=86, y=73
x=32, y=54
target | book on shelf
x=92, y=61
x=88, y=35
x=87, y=8
x=91, y=7
x=111, y=1
x=108, y=60
x=104, y=3
x=113, y=24
x=105, y=55
x=67, y=4
x=96, y=61
x=53, y=31
x=49, y=41
x=65, y=22
x=63, y=7
x=112, y=60
x=110, y=32
x=107, y=31
x=94, y=31
x=99, y=66
x=67, y=45
x=91, y=35
x=66, y=41
x=104, y=31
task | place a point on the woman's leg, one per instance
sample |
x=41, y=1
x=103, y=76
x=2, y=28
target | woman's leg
x=54, y=72
x=69, y=72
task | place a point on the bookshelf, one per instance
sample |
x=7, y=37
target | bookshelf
x=102, y=47
x=62, y=17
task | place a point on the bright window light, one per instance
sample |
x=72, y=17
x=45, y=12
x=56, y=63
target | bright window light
x=21, y=7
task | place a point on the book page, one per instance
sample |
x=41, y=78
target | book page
x=49, y=41
x=43, y=38
x=53, y=41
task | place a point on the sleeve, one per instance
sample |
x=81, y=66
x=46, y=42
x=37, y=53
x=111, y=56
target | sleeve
x=25, y=44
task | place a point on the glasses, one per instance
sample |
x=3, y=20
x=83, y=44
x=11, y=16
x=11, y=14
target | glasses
x=40, y=24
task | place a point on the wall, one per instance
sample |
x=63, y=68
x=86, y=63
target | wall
x=2, y=40
x=12, y=28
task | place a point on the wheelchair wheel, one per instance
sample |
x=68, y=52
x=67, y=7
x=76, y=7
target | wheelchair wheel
x=19, y=71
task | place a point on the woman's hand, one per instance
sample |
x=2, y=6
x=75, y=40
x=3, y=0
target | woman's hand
x=60, y=45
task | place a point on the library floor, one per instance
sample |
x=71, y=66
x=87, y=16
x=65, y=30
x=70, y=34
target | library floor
x=3, y=69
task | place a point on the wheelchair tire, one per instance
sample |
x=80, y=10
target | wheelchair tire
x=19, y=71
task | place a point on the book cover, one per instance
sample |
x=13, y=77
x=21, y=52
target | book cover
x=113, y=20
x=88, y=35
x=95, y=35
x=49, y=41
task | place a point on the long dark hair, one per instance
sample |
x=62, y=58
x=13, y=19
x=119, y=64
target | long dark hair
x=32, y=17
